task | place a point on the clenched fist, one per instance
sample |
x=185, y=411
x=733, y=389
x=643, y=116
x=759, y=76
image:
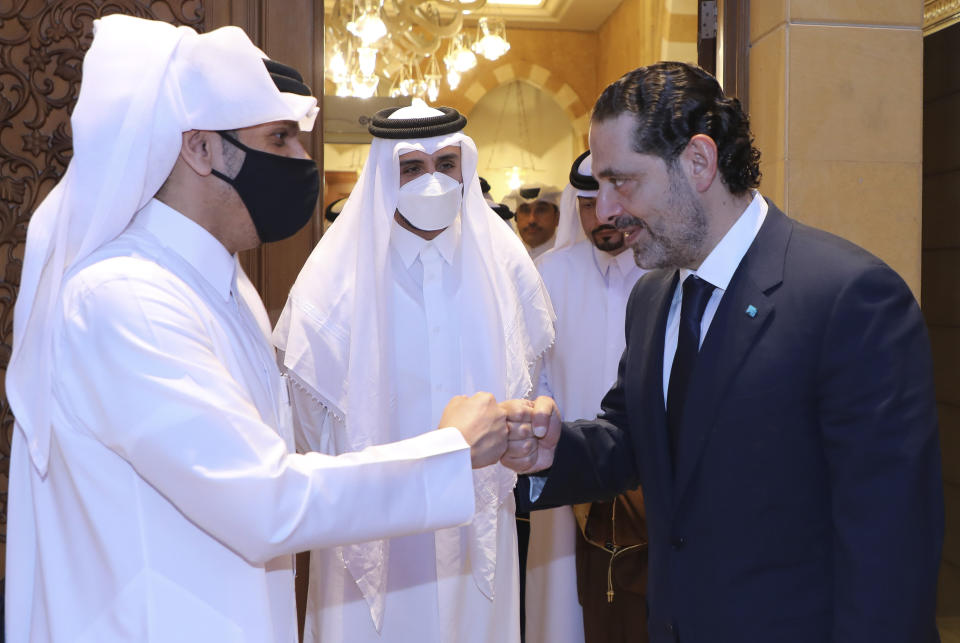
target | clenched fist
x=482, y=423
x=533, y=433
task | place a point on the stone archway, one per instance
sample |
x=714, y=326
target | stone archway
x=543, y=79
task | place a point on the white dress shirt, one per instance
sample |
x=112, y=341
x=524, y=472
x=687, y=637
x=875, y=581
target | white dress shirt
x=172, y=506
x=717, y=269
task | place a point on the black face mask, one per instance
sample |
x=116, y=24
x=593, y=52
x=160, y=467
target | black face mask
x=280, y=192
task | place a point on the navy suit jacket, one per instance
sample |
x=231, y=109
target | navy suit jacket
x=806, y=503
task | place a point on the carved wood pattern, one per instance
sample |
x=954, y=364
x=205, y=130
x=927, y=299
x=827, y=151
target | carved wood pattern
x=42, y=43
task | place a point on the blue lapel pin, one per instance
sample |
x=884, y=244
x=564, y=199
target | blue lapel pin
x=751, y=310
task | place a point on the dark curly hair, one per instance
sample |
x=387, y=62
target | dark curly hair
x=674, y=101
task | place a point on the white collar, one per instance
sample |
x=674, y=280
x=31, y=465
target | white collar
x=723, y=260
x=191, y=241
x=603, y=260
x=543, y=247
x=409, y=245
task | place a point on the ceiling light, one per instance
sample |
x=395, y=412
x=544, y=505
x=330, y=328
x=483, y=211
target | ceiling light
x=369, y=27
x=364, y=86
x=453, y=78
x=402, y=41
x=460, y=56
x=491, y=38
x=367, y=59
x=514, y=178
x=338, y=66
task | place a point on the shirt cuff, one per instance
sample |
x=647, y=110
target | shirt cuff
x=536, y=486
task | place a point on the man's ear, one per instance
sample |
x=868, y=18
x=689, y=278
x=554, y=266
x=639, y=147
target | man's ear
x=199, y=150
x=699, y=159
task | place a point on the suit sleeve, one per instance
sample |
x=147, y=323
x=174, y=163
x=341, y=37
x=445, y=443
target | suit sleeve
x=878, y=418
x=595, y=458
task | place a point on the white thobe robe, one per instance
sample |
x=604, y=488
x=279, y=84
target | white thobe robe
x=172, y=506
x=589, y=290
x=431, y=595
x=536, y=252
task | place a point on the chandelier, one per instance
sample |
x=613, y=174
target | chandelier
x=401, y=44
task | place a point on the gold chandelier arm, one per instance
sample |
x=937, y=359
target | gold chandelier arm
x=396, y=24
x=409, y=14
x=414, y=32
x=456, y=5
x=419, y=46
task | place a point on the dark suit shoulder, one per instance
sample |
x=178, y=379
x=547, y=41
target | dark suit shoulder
x=798, y=261
x=832, y=262
x=829, y=247
x=650, y=285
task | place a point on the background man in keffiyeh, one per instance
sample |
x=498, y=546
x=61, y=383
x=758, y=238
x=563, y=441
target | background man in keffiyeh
x=537, y=207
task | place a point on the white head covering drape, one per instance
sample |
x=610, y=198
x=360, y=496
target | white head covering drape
x=335, y=330
x=540, y=191
x=569, y=230
x=144, y=84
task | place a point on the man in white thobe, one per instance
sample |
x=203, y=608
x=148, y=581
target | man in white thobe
x=153, y=494
x=537, y=208
x=589, y=277
x=432, y=296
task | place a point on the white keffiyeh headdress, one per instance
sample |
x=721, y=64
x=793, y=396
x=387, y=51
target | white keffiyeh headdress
x=144, y=84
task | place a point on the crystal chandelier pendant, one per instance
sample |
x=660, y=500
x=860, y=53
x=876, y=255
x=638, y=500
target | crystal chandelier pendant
x=461, y=58
x=368, y=27
x=401, y=41
x=453, y=79
x=367, y=60
x=491, y=38
x=364, y=86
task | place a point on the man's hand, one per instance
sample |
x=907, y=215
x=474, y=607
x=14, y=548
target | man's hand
x=482, y=423
x=534, y=430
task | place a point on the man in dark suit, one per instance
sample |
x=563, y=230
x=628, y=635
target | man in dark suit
x=775, y=397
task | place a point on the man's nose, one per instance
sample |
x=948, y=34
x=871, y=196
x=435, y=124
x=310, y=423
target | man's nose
x=608, y=207
x=299, y=151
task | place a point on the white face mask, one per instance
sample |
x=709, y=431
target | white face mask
x=430, y=201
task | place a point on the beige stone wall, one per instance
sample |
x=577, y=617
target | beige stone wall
x=562, y=63
x=629, y=38
x=836, y=106
x=679, y=38
x=640, y=32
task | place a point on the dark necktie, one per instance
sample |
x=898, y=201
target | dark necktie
x=696, y=294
